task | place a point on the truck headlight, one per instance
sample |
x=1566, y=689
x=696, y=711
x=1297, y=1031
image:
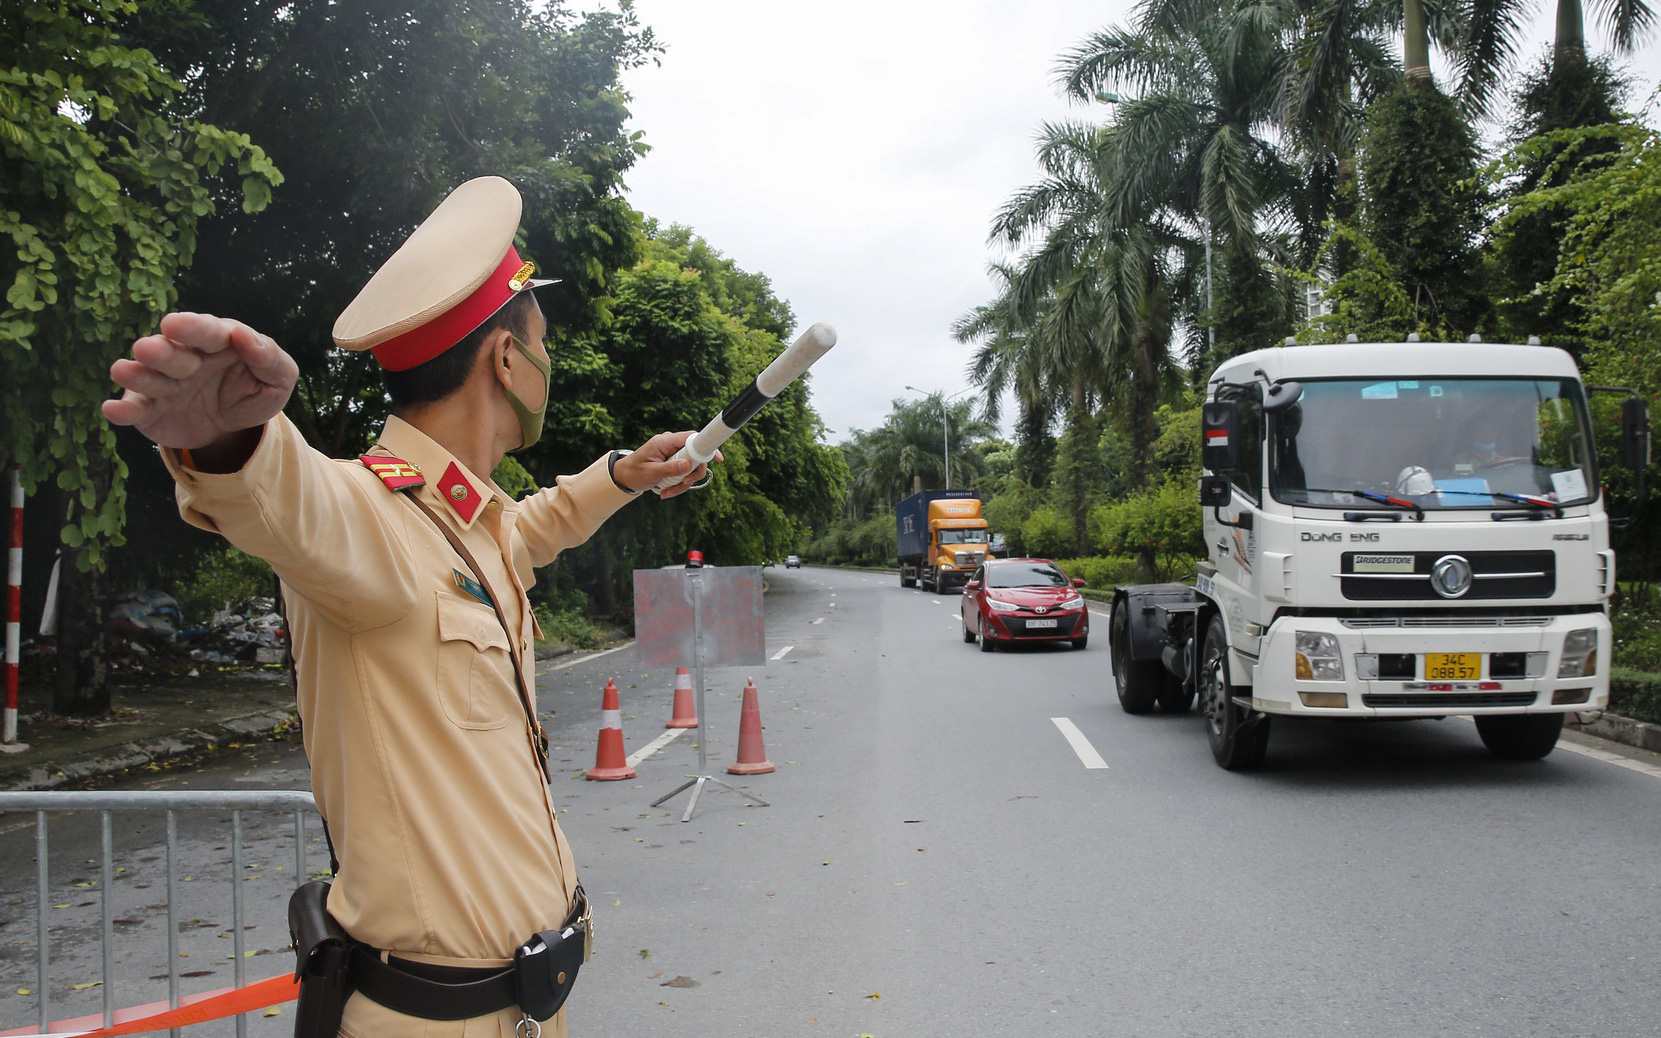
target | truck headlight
x=1580, y=654
x=1001, y=607
x=1317, y=658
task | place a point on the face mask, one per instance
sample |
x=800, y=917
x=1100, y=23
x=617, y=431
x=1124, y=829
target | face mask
x=530, y=422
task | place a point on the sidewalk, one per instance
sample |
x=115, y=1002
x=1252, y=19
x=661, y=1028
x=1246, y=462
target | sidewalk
x=155, y=721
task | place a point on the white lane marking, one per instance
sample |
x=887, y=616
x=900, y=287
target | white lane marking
x=934, y=601
x=1081, y=746
x=655, y=745
x=1643, y=767
x=820, y=620
x=782, y=653
x=592, y=656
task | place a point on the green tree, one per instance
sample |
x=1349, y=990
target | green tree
x=102, y=201
x=375, y=111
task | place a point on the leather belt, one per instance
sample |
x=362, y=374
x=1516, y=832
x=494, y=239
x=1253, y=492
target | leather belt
x=435, y=992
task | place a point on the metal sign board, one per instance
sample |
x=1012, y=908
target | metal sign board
x=665, y=632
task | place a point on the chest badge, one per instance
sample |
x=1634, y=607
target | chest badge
x=468, y=586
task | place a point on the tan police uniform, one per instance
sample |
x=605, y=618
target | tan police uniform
x=423, y=763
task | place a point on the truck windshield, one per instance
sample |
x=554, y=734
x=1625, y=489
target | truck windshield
x=1441, y=443
x=972, y=536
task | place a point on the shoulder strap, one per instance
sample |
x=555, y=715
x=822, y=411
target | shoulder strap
x=538, y=739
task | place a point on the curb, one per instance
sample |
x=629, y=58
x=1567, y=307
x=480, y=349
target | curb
x=115, y=759
x=1625, y=730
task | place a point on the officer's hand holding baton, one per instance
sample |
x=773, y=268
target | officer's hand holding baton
x=773, y=380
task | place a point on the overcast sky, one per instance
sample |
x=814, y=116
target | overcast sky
x=855, y=153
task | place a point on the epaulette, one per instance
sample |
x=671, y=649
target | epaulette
x=396, y=473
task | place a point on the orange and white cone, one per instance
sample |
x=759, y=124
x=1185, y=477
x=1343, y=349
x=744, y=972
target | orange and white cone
x=686, y=715
x=752, y=752
x=610, y=762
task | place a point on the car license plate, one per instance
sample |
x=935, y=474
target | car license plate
x=1453, y=666
x=1032, y=624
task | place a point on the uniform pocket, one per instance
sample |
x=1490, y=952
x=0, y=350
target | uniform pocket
x=476, y=686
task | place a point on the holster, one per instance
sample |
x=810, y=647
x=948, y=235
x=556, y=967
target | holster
x=320, y=955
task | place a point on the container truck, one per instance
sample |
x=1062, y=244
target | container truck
x=1393, y=530
x=940, y=538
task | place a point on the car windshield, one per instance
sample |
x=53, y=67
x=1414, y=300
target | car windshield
x=972, y=536
x=1439, y=443
x=1026, y=574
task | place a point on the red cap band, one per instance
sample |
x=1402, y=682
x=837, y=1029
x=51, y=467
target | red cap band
x=422, y=344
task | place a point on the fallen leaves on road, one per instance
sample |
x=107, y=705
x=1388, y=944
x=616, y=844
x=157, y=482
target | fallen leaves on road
x=679, y=982
x=273, y=1011
x=873, y=996
x=88, y=984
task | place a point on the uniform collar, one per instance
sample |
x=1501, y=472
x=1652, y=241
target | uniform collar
x=448, y=480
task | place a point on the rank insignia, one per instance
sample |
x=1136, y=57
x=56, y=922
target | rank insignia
x=468, y=585
x=464, y=498
x=396, y=473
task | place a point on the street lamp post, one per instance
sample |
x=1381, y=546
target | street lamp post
x=945, y=430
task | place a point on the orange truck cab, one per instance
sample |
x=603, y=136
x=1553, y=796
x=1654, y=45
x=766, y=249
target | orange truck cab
x=940, y=538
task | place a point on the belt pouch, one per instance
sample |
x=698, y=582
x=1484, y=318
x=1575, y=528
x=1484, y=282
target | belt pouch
x=545, y=969
x=320, y=952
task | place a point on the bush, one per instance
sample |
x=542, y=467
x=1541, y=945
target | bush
x=1101, y=573
x=1047, y=533
x=567, y=625
x=1635, y=694
x=225, y=579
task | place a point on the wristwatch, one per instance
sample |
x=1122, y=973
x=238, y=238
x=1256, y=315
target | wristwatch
x=611, y=469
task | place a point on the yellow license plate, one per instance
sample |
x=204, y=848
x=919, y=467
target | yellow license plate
x=1453, y=666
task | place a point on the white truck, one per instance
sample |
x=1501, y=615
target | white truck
x=1394, y=530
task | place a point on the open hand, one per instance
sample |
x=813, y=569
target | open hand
x=200, y=381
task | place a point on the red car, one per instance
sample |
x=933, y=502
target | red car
x=1010, y=600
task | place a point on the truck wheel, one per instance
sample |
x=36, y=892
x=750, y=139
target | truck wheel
x=1519, y=736
x=1238, y=742
x=1136, y=681
x=1174, y=697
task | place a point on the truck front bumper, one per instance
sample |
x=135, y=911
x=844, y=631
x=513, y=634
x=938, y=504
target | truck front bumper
x=1431, y=667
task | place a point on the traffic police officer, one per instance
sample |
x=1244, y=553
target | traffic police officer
x=405, y=574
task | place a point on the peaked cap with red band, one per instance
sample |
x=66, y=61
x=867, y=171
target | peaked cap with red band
x=456, y=270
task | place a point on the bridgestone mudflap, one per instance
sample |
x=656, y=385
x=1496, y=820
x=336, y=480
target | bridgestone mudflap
x=1238, y=740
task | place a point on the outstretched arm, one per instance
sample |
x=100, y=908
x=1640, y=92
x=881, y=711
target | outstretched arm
x=205, y=384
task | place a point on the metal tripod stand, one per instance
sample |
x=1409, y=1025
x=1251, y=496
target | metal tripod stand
x=703, y=777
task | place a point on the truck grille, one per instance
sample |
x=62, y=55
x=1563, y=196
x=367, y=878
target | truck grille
x=1447, y=699
x=1371, y=623
x=1497, y=575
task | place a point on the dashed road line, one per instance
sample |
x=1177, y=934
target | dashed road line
x=1081, y=746
x=817, y=620
x=655, y=745
x=782, y=653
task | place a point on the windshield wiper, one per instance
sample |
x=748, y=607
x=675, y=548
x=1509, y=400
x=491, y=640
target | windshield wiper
x=1383, y=499
x=1540, y=505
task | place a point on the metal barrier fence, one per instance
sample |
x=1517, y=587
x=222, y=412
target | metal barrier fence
x=298, y=802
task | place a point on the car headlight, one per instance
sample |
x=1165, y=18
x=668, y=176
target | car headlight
x=1317, y=657
x=1002, y=607
x=1075, y=602
x=1580, y=654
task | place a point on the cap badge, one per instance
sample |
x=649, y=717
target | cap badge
x=522, y=277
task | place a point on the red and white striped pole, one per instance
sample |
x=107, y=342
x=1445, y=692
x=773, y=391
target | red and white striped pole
x=14, y=608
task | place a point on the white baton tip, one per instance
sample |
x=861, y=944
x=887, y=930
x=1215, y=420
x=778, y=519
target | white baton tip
x=822, y=334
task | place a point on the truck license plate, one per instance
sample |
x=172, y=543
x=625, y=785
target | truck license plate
x=1031, y=624
x=1453, y=666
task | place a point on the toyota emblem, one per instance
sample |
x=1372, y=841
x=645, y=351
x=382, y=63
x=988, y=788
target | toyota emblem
x=1451, y=576
x=1041, y=610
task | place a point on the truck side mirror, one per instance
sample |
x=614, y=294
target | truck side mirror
x=1215, y=491
x=1635, y=433
x=1220, y=435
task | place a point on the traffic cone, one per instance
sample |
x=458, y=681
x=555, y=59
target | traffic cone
x=610, y=762
x=686, y=715
x=752, y=752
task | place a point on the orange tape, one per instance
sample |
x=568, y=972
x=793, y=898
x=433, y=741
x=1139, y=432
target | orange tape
x=194, y=1009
